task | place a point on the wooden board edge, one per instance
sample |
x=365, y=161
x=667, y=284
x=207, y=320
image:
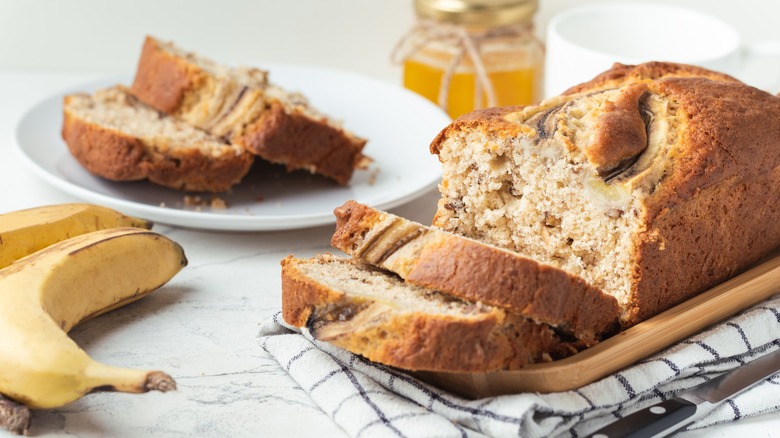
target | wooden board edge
x=626, y=348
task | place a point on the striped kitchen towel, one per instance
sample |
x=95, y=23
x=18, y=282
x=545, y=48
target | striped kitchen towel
x=371, y=400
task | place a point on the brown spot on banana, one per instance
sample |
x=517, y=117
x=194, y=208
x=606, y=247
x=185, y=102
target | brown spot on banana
x=98, y=242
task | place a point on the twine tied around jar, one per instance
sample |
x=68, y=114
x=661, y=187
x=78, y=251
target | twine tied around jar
x=466, y=42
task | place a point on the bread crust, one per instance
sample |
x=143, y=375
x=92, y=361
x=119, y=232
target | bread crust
x=716, y=212
x=173, y=84
x=118, y=156
x=110, y=154
x=475, y=271
x=621, y=74
x=482, y=341
x=162, y=79
x=297, y=141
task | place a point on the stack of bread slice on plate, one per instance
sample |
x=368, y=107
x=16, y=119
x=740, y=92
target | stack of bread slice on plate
x=189, y=123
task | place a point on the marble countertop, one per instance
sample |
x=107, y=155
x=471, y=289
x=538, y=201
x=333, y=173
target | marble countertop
x=202, y=326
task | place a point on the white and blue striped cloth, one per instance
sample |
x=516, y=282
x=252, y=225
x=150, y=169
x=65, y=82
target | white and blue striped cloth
x=370, y=400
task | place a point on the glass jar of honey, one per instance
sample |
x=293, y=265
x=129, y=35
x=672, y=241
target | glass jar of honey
x=471, y=54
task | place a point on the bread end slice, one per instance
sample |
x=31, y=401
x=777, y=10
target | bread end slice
x=118, y=137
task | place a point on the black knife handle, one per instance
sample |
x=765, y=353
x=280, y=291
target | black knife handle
x=650, y=421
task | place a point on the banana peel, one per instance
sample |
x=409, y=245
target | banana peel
x=45, y=294
x=24, y=232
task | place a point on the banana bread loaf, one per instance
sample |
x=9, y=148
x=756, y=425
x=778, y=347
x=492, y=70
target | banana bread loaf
x=242, y=106
x=652, y=182
x=116, y=136
x=371, y=312
x=471, y=270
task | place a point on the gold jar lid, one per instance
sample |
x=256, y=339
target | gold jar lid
x=491, y=13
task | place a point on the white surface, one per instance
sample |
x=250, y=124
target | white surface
x=402, y=169
x=201, y=327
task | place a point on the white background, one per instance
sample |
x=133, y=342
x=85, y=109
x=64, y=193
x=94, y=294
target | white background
x=358, y=35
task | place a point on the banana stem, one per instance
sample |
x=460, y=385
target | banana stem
x=159, y=381
x=107, y=378
x=14, y=416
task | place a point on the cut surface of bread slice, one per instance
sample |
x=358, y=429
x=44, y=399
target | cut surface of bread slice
x=372, y=312
x=241, y=105
x=652, y=182
x=116, y=136
x=475, y=271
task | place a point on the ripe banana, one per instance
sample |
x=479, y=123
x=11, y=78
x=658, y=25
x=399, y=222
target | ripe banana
x=25, y=231
x=44, y=295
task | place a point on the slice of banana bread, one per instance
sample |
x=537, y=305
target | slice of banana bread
x=371, y=312
x=118, y=137
x=652, y=182
x=471, y=270
x=241, y=105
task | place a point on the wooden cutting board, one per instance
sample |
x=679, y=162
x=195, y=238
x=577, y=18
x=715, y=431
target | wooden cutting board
x=625, y=348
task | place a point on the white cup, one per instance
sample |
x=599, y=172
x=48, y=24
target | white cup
x=585, y=41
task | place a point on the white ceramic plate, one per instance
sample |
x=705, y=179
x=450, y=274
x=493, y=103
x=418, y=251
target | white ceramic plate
x=398, y=124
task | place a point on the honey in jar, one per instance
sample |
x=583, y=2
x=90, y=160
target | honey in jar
x=471, y=54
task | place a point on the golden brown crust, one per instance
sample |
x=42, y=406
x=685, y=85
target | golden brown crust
x=299, y=142
x=471, y=270
x=621, y=74
x=495, y=120
x=352, y=220
x=487, y=118
x=162, y=79
x=302, y=295
x=117, y=156
x=717, y=213
x=426, y=342
x=473, y=342
x=110, y=154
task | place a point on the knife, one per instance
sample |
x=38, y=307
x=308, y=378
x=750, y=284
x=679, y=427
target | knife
x=671, y=415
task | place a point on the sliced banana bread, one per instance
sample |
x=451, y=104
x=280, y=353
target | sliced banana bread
x=372, y=312
x=241, y=105
x=116, y=136
x=652, y=182
x=471, y=270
